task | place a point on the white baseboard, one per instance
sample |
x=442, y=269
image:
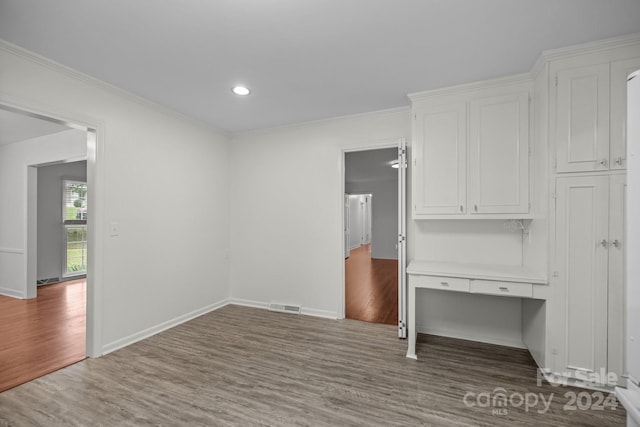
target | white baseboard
x=11, y=293
x=304, y=310
x=146, y=333
x=469, y=337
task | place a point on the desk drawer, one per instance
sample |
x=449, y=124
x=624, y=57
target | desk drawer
x=507, y=289
x=437, y=282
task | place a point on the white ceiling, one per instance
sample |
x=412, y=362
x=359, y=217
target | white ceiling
x=371, y=165
x=16, y=127
x=303, y=59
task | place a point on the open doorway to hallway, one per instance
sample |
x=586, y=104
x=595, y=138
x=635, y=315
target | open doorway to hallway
x=371, y=267
x=43, y=240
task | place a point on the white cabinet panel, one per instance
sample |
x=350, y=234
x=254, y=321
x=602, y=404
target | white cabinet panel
x=438, y=282
x=499, y=154
x=505, y=289
x=440, y=159
x=620, y=70
x=484, y=129
x=582, y=211
x=582, y=119
x=617, y=268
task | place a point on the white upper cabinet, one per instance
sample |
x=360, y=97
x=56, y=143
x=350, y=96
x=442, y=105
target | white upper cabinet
x=590, y=115
x=442, y=130
x=620, y=70
x=471, y=151
x=582, y=126
x=499, y=154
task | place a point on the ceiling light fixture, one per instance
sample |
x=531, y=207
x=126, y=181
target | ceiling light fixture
x=240, y=90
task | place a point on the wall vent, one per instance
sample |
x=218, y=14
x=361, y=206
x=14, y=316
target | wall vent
x=41, y=282
x=284, y=308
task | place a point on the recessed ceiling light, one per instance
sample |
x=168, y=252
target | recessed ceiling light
x=240, y=90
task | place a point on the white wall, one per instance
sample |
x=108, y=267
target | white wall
x=296, y=256
x=15, y=160
x=356, y=220
x=384, y=215
x=283, y=250
x=162, y=177
x=50, y=229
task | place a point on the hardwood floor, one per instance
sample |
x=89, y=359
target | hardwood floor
x=240, y=366
x=371, y=287
x=41, y=335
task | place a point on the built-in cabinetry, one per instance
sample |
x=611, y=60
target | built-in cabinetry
x=590, y=114
x=587, y=117
x=471, y=151
x=589, y=267
x=498, y=280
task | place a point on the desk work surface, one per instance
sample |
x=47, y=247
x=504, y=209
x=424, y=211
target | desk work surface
x=510, y=273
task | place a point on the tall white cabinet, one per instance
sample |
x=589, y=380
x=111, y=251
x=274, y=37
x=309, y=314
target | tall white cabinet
x=589, y=261
x=587, y=120
x=471, y=151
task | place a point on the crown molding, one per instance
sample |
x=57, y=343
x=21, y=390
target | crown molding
x=320, y=122
x=523, y=78
x=100, y=84
x=584, y=48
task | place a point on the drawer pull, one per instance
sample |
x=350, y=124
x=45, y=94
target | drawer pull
x=445, y=284
x=504, y=289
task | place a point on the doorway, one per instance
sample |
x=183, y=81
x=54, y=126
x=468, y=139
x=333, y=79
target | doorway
x=38, y=146
x=374, y=264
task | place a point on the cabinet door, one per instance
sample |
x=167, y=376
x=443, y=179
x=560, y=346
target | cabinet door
x=582, y=119
x=617, y=279
x=620, y=70
x=499, y=154
x=581, y=262
x=440, y=162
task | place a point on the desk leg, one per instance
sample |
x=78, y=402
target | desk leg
x=411, y=326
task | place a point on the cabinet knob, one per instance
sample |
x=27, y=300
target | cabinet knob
x=616, y=243
x=603, y=243
x=603, y=162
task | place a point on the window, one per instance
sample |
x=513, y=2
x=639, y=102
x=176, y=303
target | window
x=74, y=219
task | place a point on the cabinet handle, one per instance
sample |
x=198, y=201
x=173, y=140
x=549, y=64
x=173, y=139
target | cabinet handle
x=475, y=208
x=504, y=289
x=616, y=243
x=603, y=243
x=619, y=161
x=445, y=284
x=461, y=208
x=603, y=162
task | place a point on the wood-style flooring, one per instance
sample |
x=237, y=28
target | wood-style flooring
x=371, y=287
x=240, y=366
x=43, y=334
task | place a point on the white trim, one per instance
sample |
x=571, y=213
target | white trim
x=389, y=111
x=249, y=303
x=85, y=78
x=584, y=48
x=472, y=86
x=12, y=293
x=11, y=251
x=146, y=333
x=470, y=337
x=350, y=148
x=314, y=312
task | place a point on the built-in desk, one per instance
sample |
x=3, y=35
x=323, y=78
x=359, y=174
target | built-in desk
x=501, y=280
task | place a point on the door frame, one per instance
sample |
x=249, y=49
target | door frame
x=95, y=183
x=368, y=146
